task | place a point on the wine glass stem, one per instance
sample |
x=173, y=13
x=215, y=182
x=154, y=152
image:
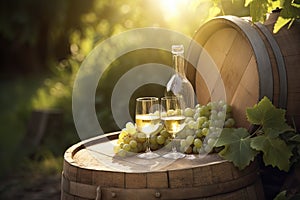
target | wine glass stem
x=174, y=150
x=148, y=145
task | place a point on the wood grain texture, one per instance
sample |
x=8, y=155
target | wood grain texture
x=89, y=175
x=252, y=62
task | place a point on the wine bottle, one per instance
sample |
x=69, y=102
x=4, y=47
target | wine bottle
x=179, y=85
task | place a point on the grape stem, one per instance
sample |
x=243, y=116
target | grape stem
x=257, y=132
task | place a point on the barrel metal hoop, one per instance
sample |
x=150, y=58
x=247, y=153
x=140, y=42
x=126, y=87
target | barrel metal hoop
x=283, y=87
x=97, y=192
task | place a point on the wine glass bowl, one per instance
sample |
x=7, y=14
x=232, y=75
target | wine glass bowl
x=147, y=119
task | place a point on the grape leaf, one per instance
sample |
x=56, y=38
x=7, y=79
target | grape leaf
x=237, y=147
x=256, y=114
x=295, y=138
x=281, y=22
x=258, y=10
x=281, y=196
x=268, y=116
x=275, y=151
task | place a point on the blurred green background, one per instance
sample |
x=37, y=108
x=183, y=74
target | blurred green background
x=43, y=44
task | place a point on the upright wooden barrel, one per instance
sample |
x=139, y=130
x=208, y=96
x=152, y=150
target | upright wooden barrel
x=253, y=63
x=91, y=171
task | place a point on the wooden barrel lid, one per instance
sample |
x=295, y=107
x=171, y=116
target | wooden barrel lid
x=92, y=171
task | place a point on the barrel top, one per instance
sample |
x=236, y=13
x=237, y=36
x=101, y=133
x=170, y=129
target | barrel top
x=97, y=154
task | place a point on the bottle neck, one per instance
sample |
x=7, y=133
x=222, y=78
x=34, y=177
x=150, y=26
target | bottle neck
x=178, y=63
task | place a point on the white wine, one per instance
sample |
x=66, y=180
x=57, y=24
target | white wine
x=174, y=124
x=147, y=123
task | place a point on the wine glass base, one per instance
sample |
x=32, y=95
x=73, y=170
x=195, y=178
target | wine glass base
x=148, y=155
x=174, y=155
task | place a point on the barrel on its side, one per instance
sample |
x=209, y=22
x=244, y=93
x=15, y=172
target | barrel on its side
x=253, y=63
x=86, y=177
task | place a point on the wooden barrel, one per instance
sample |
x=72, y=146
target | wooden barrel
x=91, y=171
x=253, y=63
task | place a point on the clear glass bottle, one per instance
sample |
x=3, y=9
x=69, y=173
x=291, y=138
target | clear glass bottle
x=179, y=85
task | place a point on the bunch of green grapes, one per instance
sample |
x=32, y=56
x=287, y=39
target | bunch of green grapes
x=131, y=141
x=204, y=124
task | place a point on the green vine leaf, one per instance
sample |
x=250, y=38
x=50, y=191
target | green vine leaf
x=258, y=10
x=281, y=22
x=272, y=119
x=275, y=151
x=237, y=147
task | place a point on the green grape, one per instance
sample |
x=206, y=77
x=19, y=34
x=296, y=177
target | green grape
x=214, y=115
x=122, y=153
x=219, y=123
x=153, y=139
x=198, y=133
x=191, y=124
x=183, y=143
x=201, y=120
x=123, y=134
x=204, y=111
x=196, y=115
x=130, y=128
x=207, y=149
x=134, y=150
x=160, y=139
x=211, y=142
x=189, y=132
x=133, y=144
x=228, y=108
x=182, y=149
x=165, y=133
x=206, y=124
x=197, y=143
x=197, y=106
x=229, y=123
x=221, y=103
x=189, y=112
x=140, y=147
x=205, y=131
x=126, y=147
x=195, y=149
x=153, y=146
x=141, y=137
x=221, y=115
x=127, y=139
x=167, y=141
x=188, y=119
x=116, y=149
x=189, y=140
x=170, y=112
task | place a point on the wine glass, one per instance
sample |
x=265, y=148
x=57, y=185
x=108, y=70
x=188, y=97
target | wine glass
x=147, y=120
x=172, y=108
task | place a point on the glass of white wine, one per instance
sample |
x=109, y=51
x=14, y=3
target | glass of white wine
x=172, y=108
x=147, y=119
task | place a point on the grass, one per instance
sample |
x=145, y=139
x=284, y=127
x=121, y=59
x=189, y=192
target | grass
x=15, y=106
x=21, y=174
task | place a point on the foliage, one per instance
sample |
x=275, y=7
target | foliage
x=273, y=138
x=259, y=9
